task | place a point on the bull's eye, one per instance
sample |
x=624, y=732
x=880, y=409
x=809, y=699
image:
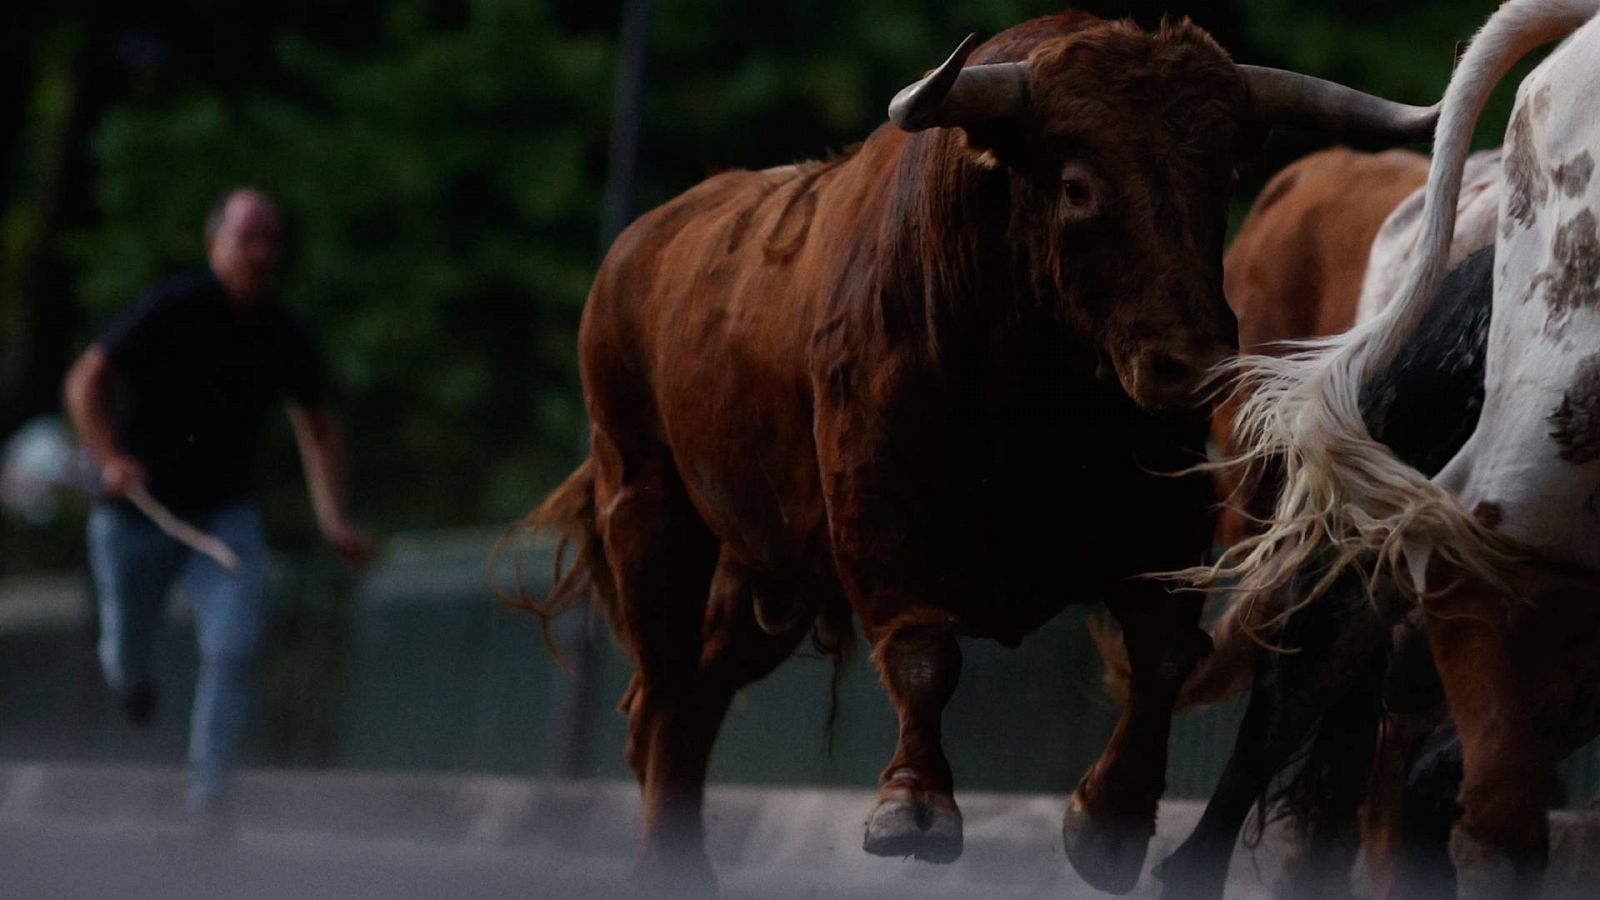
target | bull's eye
x=1080, y=193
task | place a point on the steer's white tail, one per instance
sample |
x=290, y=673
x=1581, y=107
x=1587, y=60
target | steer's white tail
x=1344, y=493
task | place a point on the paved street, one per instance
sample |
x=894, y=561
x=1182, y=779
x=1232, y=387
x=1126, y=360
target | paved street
x=77, y=861
x=87, y=832
x=112, y=832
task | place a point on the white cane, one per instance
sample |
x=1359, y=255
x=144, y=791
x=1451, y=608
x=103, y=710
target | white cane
x=182, y=531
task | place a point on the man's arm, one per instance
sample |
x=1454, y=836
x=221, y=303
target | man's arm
x=321, y=444
x=87, y=393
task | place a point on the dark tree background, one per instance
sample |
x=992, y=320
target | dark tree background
x=441, y=164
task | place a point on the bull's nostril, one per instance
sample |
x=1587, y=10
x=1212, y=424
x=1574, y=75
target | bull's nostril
x=1169, y=369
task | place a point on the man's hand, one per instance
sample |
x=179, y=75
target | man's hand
x=121, y=474
x=353, y=545
x=322, y=451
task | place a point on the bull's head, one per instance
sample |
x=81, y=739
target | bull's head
x=1123, y=147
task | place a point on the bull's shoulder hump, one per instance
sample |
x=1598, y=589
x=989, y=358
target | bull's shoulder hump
x=716, y=199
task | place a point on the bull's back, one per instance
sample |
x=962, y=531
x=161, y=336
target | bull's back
x=675, y=273
x=1395, y=248
x=1295, y=270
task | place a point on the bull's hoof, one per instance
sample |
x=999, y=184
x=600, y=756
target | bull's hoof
x=1108, y=855
x=922, y=824
x=1185, y=878
x=672, y=874
x=1487, y=872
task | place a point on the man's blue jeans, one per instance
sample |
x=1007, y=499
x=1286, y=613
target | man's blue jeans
x=135, y=567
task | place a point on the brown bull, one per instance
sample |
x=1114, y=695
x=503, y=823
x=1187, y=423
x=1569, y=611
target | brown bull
x=874, y=385
x=1296, y=269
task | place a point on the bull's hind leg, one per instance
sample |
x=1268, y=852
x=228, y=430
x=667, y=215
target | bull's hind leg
x=1501, y=842
x=1426, y=812
x=1337, y=770
x=1198, y=870
x=734, y=652
x=1320, y=702
x=661, y=557
x=920, y=663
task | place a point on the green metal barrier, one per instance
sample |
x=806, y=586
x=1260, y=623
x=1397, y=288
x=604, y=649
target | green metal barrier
x=416, y=667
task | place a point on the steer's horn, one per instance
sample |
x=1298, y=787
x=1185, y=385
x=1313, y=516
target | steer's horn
x=1289, y=98
x=952, y=95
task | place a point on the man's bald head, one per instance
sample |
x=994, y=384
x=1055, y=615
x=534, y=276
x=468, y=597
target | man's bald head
x=243, y=243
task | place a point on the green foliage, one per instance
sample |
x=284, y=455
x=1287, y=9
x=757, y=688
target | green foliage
x=442, y=178
x=441, y=195
x=1405, y=51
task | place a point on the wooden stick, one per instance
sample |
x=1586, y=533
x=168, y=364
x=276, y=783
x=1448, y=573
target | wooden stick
x=182, y=531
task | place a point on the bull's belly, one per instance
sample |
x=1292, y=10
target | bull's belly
x=1010, y=541
x=1006, y=616
x=764, y=507
x=997, y=593
x=1080, y=538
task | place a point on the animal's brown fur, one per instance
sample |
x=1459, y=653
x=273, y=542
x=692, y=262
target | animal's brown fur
x=1295, y=271
x=856, y=383
x=569, y=513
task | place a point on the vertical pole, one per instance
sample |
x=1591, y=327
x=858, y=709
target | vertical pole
x=627, y=102
x=575, y=706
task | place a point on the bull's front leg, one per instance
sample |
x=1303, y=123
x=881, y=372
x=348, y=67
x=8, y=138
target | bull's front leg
x=920, y=663
x=915, y=651
x=878, y=529
x=1111, y=816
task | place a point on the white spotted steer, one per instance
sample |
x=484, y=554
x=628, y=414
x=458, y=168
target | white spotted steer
x=1528, y=468
x=1525, y=488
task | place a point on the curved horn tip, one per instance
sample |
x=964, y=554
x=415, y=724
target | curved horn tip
x=1280, y=96
x=914, y=108
x=1420, y=126
x=1430, y=121
x=958, y=56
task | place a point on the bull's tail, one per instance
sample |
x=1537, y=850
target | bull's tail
x=569, y=512
x=1223, y=673
x=1343, y=491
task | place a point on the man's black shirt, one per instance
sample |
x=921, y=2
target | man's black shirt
x=197, y=375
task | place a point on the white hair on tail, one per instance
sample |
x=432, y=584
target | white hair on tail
x=1345, y=495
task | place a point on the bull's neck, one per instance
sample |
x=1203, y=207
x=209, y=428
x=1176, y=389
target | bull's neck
x=949, y=270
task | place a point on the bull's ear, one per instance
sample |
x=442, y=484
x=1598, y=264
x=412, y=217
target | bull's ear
x=956, y=95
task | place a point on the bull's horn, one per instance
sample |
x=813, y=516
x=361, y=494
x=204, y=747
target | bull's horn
x=952, y=95
x=1279, y=97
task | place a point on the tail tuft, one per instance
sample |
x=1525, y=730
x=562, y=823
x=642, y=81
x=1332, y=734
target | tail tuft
x=569, y=511
x=1346, y=498
x=833, y=636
